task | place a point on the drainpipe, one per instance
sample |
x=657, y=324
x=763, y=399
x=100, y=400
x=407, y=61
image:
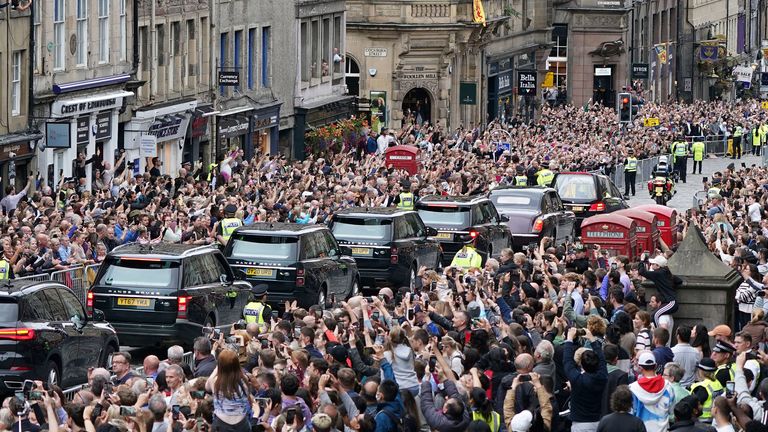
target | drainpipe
x=135, y=37
x=31, y=54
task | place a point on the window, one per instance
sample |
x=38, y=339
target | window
x=123, y=31
x=337, y=48
x=160, y=53
x=82, y=33
x=352, y=77
x=16, y=84
x=59, y=28
x=325, y=60
x=144, y=43
x=191, y=58
x=104, y=31
x=129, y=273
x=306, y=61
x=315, y=49
x=374, y=228
x=74, y=307
x=238, y=52
x=55, y=305
x=252, y=62
x=204, y=59
x=266, y=42
x=223, y=50
x=265, y=247
x=38, y=28
x=173, y=81
x=558, y=59
x=35, y=308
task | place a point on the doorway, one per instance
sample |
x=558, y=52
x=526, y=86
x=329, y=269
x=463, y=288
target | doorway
x=603, y=92
x=417, y=106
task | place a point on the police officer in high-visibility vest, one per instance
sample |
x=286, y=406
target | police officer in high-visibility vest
x=467, y=257
x=707, y=388
x=228, y=225
x=722, y=354
x=6, y=270
x=697, y=148
x=257, y=310
x=630, y=172
x=737, y=133
x=212, y=171
x=406, y=199
x=679, y=150
x=544, y=177
x=520, y=178
x=764, y=134
x=757, y=140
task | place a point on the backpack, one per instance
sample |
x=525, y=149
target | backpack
x=402, y=424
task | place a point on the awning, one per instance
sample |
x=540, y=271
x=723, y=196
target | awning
x=97, y=102
x=234, y=111
x=206, y=110
x=165, y=109
x=90, y=83
x=19, y=137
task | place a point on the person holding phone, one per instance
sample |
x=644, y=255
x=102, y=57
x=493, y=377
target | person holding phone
x=231, y=399
x=655, y=269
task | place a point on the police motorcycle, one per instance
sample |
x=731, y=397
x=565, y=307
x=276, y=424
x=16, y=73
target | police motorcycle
x=661, y=187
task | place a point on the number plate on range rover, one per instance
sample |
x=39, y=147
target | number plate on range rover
x=134, y=302
x=260, y=272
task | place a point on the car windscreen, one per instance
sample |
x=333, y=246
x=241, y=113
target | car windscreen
x=9, y=311
x=576, y=188
x=140, y=273
x=445, y=216
x=514, y=201
x=258, y=247
x=362, y=228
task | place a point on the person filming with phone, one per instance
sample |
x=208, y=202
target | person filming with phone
x=655, y=270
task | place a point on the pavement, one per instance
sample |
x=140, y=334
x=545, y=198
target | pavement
x=683, y=199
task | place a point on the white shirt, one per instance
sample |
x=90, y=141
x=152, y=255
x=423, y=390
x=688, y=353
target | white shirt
x=382, y=142
x=754, y=212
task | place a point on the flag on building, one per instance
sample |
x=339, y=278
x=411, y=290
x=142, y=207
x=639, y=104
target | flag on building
x=478, y=13
x=709, y=52
x=661, y=53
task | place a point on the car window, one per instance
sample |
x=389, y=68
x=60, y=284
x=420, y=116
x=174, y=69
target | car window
x=605, y=185
x=478, y=216
x=55, y=305
x=209, y=270
x=35, y=308
x=445, y=215
x=332, y=246
x=140, y=273
x=9, y=311
x=416, y=225
x=556, y=203
x=315, y=246
x=192, y=274
x=74, y=308
x=546, y=204
x=576, y=187
x=489, y=214
x=266, y=247
x=403, y=229
x=221, y=267
x=372, y=228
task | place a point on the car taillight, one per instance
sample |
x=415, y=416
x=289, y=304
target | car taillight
x=597, y=207
x=538, y=225
x=89, y=304
x=21, y=368
x=393, y=255
x=183, y=302
x=17, y=334
x=300, y=277
x=473, y=234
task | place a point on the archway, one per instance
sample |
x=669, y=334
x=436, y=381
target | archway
x=352, y=76
x=417, y=106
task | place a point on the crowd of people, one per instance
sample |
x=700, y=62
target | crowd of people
x=556, y=338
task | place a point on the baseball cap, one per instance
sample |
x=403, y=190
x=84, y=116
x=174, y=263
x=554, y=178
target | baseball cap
x=659, y=261
x=322, y=421
x=707, y=364
x=646, y=359
x=720, y=330
x=521, y=422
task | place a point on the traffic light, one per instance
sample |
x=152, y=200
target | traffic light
x=625, y=107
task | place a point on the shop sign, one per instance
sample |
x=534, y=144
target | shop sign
x=505, y=82
x=265, y=122
x=375, y=52
x=81, y=107
x=57, y=135
x=14, y=151
x=419, y=76
x=229, y=78
x=103, y=129
x=148, y=145
x=526, y=82
x=468, y=93
x=605, y=234
x=83, y=129
x=602, y=71
x=640, y=70
x=199, y=126
x=232, y=127
x=166, y=130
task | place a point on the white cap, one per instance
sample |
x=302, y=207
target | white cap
x=521, y=422
x=659, y=261
x=646, y=358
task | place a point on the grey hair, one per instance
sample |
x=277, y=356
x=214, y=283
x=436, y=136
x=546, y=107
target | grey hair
x=157, y=406
x=6, y=418
x=175, y=353
x=176, y=368
x=493, y=263
x=675, y=371
x=545, y=350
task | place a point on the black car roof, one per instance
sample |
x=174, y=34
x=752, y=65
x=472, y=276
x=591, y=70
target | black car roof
x=522, y=190
x=279, y=228
x=18, y=287
x=452, y=199
x=372, y=211
x=160, y=250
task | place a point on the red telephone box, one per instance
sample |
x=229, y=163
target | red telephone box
x=666, y=220
x=614, y=233
x=647, y=228
x=403, y=157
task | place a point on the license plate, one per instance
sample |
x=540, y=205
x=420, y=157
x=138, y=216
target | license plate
x=260, y=272
x=134, y=302
x=659, y=189
x=578, y=209
x=362, y=251
x=444, y=235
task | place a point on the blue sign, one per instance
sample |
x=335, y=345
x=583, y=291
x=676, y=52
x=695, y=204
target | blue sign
x=505, y=146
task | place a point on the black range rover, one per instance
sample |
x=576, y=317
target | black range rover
x=297, y=262
x=166, y=293
x=389, y=244
x=459, y=219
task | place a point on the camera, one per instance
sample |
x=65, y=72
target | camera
x=175, y=410
x=197, y=394
x=525, y=378
x=127, y=411
x=432, y=363
x=96, y=411
x=240, y=325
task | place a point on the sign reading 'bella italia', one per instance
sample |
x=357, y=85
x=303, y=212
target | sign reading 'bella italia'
x=526, y=82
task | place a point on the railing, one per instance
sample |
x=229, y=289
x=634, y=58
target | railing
x=78, y=279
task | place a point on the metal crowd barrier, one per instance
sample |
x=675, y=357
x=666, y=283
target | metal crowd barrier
x=644, y=172
x=78, y=279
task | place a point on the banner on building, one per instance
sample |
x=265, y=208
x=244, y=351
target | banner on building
x=378, y=109
x=148, y=145
x=743, y=73
x=661, y=53
x=478, y=13
x=709, y=52
x=765, y=53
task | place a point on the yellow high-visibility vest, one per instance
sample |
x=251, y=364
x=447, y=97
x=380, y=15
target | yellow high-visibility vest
x=631, y=165
x=406, y=201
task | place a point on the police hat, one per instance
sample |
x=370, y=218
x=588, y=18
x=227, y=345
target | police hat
x=630, y=150
x=545, y=164
x=519, y=169
x=707, y=364
x=230, y=208
x=723, y=347
x=259, y=290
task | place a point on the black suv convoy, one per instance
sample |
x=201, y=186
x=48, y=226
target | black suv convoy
x=459, y=219
x=389, y=244
x=46, y=335
x=296, y=261
x=166, y=293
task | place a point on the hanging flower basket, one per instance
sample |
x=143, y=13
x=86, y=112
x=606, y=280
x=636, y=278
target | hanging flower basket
x=341, y=136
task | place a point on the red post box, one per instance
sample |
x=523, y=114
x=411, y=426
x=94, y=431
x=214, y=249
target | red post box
x=403, y=157
x=666, y=220
x=647, y=228
x=614, y=233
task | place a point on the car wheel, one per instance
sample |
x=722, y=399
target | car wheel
x=53, y=375
x=209, y=321
x=355, y=290
x=322, y=296
x=108, y=351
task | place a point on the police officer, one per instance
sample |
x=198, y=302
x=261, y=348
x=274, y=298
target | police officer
x=737, y=133
x=680, y=152
x=228, y=225
x=520, y=178
x=406, y=198
x=544, y=177
x=757, y=141
x=257, y=310
x=707, y=388
x=722, y=354
x=630, y=172
x=698, y=148
x=6, y=270
x=467, y=257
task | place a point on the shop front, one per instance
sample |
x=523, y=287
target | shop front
x=318, y=115
x=251, y=128
x=266, y=131
x=85, y=125
x=159, y=131
x=197, y=143
x=500, y=79
x=16, y=153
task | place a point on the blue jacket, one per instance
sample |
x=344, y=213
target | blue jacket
x=383, y=421
x=586, y=388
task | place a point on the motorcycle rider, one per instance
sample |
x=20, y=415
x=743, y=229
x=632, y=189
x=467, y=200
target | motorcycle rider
x=661, y=173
